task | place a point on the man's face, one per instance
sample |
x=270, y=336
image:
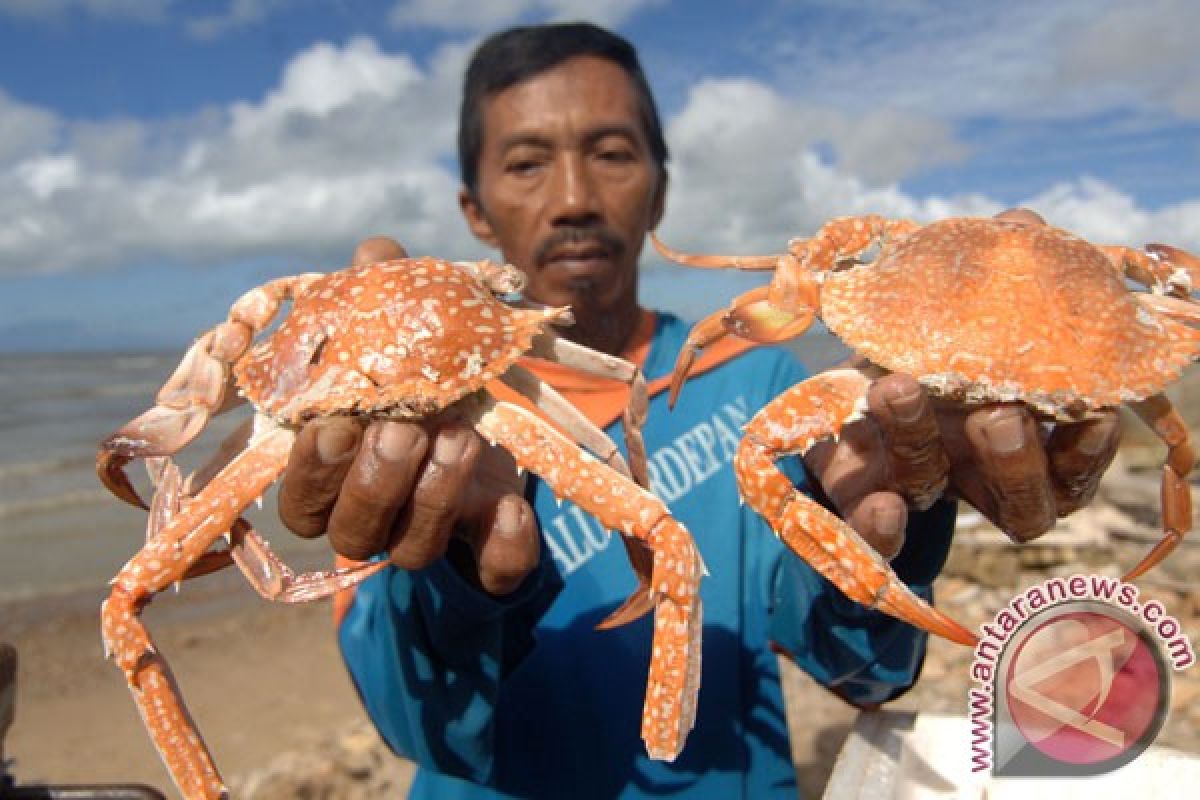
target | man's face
x=568, y=189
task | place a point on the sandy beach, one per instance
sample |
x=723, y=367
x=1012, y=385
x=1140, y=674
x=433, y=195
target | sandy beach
x=260, y=679
x=268, y=690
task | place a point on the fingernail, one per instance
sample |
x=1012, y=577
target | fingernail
x=905, y=405
x=336, y=442
x=450, y=446
x=1006, y=434
x=509, y=513
x=888, y=522
x=396, y=441
x=1093, y=440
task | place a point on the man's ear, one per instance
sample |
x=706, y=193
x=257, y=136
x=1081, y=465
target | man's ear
x=660, y=201
x=477, y=221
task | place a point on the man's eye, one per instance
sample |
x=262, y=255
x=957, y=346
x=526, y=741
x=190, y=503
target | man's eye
x=522, y=167
x=616, y=156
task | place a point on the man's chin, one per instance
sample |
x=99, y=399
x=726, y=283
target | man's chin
x=578, y=275
x=604, y=327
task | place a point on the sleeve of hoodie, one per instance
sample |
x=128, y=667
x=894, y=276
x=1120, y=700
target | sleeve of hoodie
x=865, y=656
x=428, y=654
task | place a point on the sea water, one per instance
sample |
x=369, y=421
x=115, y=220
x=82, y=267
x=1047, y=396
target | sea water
x=60, y=530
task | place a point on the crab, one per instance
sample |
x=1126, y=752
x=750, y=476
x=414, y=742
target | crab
x=409, y=339
x=978, y=310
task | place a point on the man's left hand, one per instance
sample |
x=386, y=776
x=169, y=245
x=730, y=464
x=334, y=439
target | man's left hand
x=994, y=457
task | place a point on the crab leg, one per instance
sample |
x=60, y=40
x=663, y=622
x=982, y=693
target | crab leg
x=552, y=347
x=164, y=560
x=266, y=573
x=713, y=262
x=586, y=433
x=568, y=417
x=790, y=424
x=274, y=580
x=171, y=555
x=557, y=349
x=197, y=389
x=674, y=675
x=1178, y=309
x=1161, y=416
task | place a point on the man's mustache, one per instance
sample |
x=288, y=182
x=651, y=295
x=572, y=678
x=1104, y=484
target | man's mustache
x=601, y=235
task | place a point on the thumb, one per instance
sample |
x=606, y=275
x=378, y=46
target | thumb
x=376, y=249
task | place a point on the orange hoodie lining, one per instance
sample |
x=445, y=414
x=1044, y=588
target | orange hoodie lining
x=602, y=399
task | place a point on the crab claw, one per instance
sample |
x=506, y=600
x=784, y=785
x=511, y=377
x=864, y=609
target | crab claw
x=751, y=316
x=636, y=606
x=1178, y=260
x=706, y=331
x=762, y=321
x=161, y=431
x=110, y=468
x=641, y=602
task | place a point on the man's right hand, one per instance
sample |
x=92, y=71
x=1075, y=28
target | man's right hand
x=410, y=488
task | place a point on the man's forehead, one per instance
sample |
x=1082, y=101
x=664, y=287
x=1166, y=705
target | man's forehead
x=585, y=91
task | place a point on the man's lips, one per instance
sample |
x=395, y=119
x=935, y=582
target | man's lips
x=577, y=265
x=581, y=246
x=578, y=254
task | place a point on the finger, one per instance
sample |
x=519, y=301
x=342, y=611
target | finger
x=496, y=475
x=376, y=249
x=1007, y=478
x=508, y=546
x=850, y=468
x=1079, y=454
x=421, y=533
x=852, y=474
x=1023, y=215
x=319, y=461
x=376, y=487
x=919, y=465
x=880, y=518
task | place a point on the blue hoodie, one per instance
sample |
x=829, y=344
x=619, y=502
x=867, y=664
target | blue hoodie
x=520, y=697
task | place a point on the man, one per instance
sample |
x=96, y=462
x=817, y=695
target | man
x=476, y=655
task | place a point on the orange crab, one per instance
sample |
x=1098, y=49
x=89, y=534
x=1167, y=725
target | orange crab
x=978, y=310
x=409, y=339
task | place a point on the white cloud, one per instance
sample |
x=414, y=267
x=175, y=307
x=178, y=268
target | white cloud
x=1102, y=213
x=26, y=129
x=355, y=141
x=469, y=15
x=1144, y=54
x=1024, y=58
x=240, y=14
x=746, y=179
x=879, y=146
x=746, y=173
x=352, y=142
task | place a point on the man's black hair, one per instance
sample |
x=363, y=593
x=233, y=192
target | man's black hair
x=509, y=57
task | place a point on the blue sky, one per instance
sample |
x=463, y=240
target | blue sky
x=158, y=157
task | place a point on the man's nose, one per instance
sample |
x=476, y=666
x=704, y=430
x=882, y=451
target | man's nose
x=573, y=197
